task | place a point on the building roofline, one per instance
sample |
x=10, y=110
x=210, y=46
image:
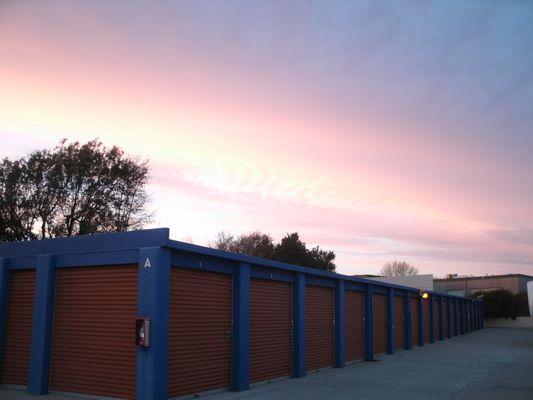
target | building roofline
x=468, y=278
x=159, y=237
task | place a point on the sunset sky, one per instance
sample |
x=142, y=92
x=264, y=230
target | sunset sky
x=382, y=131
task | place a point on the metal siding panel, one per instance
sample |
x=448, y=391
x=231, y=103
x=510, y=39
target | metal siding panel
x=380, y=324
x=414, y=322
x=426, y=305
x=93, y=348
x=399, y=323
x=354, y=326
x=199, y=341
x=18, y=328
x=319, y=327
x=270, y=330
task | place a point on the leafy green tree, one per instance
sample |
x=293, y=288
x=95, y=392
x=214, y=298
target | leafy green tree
x=289, y=250
x=72, y=189
x=254, y=244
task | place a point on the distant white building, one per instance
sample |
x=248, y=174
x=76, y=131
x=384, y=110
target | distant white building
x=424, y=282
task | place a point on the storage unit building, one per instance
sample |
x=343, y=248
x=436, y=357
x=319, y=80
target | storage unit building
x=135, y=315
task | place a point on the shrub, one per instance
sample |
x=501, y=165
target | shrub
x=499, y=304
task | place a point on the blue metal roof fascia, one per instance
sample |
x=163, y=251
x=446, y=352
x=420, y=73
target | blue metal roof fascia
x=87, y=243
x=207, y=251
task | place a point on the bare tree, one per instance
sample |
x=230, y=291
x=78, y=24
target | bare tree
x=398, y=268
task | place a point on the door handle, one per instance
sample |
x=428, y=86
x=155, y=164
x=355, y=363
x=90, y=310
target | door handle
x=227, y=336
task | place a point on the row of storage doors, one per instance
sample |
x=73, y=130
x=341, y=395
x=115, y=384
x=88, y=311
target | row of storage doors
x=93, y=350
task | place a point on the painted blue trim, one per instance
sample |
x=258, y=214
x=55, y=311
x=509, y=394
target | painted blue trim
x=87, y=243
x=390, y=321
x=198, y=262
x=241, y=329
x=298, y=326
x=271, y=274
x=153, y=302
x=97, y=259
x=5, y=277
x=22, y=262
x=94, y=259
x=369, y=328
x=340, y=361
x=380, y=290
x=408, y=321
x=41, y=335
x=421, y=336
x=319, y=281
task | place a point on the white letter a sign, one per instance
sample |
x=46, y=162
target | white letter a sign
x=147, y=263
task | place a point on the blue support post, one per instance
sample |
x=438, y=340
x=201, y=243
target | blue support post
x=369, y=329
x=482, y=315
x=457, y=326
x=461, y=317
x=473, y=305
x=448, y=318
x=408, y=321
x=390, y=320
x=339, y=325
x=473, y=313
x=153, y=303
x=42, y=325
x=299, y=357
x=441, y=317
x=4, y=300
x=474, y=316
x=467, y=314
x=421, y=337
x=432, y=319
x=241, y=329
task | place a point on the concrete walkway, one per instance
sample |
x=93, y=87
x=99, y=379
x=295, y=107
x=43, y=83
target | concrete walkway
x=485, y=365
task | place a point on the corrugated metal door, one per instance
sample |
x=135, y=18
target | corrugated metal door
x=380, y=323
x=467, y=313
x=453, y=320
x=319, y=328
x=427, y=321
x=270, y=330
x=354, y=326
x=399, y=323
x=461, y=319
x=199, y=341
x=18, y=328
x=93, y=349
x=436, y=330
x=445, y=318
x=414, y=322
